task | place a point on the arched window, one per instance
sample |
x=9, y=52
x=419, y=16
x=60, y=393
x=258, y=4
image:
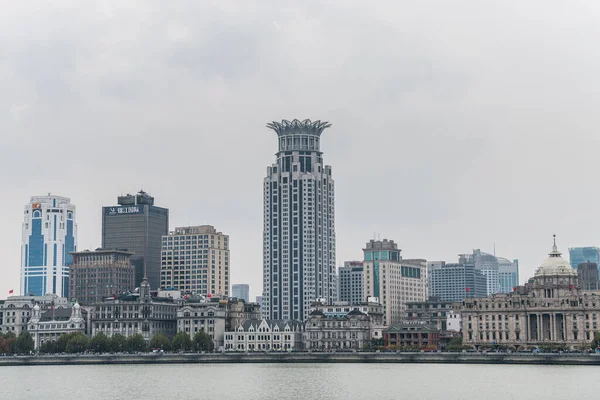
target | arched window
x=37, y=214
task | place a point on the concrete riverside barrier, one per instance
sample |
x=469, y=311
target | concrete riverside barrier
x=301, y=357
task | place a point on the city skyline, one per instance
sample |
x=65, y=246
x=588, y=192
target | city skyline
x=443, y=142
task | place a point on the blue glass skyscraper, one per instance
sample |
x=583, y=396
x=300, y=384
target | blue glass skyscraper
x=580, y=255
x=49, y=235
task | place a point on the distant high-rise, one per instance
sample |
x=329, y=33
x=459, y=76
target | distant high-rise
x=195, y=259
x=137, y=225
x=455, y=282
x=501, y=274
x=393, y=280
x=508, y=274
x=49, y=235
x=350, y=282
x=580, y=255
x=299, y=224
x=241, y=291
x=588, y=275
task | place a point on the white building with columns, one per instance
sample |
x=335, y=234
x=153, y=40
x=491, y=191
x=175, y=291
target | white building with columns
x=550, y=309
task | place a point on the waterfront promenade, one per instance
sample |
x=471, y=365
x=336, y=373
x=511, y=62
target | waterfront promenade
x=299, y=357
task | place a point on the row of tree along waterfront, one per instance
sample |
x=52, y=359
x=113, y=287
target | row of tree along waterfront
x=74, y=343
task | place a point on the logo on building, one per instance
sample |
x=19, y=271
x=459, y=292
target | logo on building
x=111, y=211
x=36, y=206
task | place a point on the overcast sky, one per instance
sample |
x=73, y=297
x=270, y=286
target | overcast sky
x=455, y=124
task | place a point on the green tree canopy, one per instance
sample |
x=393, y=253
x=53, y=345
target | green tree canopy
x=203, y=342
x=99, y=343
x=181, y=342
x=136, y=343
x=24, y=343
x=78, y=343
x=118, y=343
x=48, y=347
x=160, y=341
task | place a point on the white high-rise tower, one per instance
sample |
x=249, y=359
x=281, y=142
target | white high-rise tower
x=299, y=224
x=49, y=235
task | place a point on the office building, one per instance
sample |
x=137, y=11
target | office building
x=580, y=255
x=214, y=316
x=195, y=259
x=17, y=310
x=371, y=308
x=455, y=282
x=550, y=309
x=587, y=274
x=137, y=225
x=393, y=280
x=132, y=313
x=299, y=224
x=351, y=331
x=96, y=275
x=49, y=235
x=508, y=274
x=350, y=282
x=241, y=291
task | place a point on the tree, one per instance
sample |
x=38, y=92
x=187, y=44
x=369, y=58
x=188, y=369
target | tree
x=181, y=342
x=24, y=343
x=136, y=343
x=63, y=340
x=160, y=341
x=596, y=341
x=3, y=345
x=78, y=343
x=455, y=344
x=203, y=342
x=10, y=342
x=48, y=347
x=118, y=343
x=99, y=343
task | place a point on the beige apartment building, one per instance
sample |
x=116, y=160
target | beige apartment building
x=196, y=260
x=392, y=280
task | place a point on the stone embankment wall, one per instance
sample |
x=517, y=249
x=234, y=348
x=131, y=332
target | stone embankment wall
x=434, y=358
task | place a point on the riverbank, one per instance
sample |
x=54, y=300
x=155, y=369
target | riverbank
x=235, y=358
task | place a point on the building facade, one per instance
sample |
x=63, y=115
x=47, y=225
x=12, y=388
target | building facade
x=130, y=314
x=266, y=335
x=351, y=331
x=508, y=275
x=214, y=317
x=48, y=326
x=196, y=260
x=550, y=309
x=17, y=310
x=587, y=274
x=432, y=311
x=137, y=225
x=49, y=234
x=241, y=291
x=391, y=279
x=580, y=255
x=350, y=282
x=412, y=335
x=455, y=282
x=299, y=223
x=99, y=274
x=372, y=309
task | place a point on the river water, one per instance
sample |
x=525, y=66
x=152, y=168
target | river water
x=299, y=381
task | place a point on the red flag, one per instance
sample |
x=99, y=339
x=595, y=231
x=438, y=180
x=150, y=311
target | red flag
x=10, y=291
x=468, y=289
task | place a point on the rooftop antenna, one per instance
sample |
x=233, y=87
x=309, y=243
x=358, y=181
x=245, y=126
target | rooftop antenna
x=494, y=249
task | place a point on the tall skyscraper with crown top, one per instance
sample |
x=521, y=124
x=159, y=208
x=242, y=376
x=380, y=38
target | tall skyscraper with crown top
x=299, y=223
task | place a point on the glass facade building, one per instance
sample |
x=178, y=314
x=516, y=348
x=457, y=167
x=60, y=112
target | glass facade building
x=580, y=255
x=137, y=225
x=299, y=224
x=49, y=234
x=241, y=291
x=508, y=275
